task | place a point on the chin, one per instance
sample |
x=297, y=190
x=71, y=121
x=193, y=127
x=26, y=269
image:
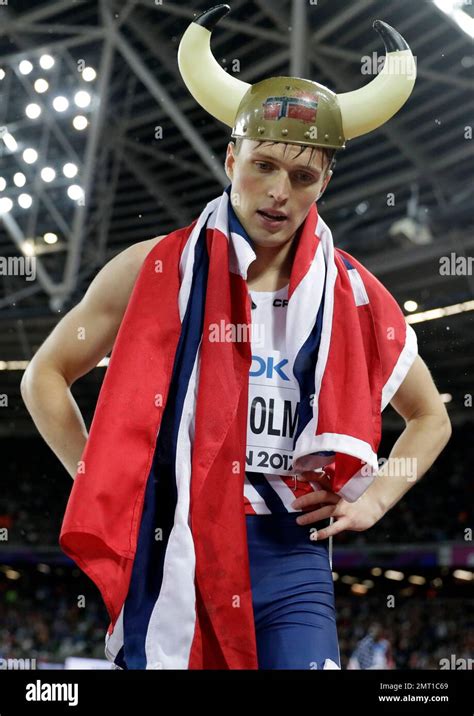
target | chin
x=269, y=241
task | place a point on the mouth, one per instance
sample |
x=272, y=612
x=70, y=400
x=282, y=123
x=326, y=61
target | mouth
x=272, y=219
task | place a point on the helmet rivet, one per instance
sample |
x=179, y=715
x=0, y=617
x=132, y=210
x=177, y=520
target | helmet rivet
x=284, y=132
x=307, y=134
x=261, y=130
x=326, y=137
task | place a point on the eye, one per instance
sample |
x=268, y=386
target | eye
x=263, y=165
x=306, y=177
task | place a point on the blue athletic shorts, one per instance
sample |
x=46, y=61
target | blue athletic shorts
x=293, y=594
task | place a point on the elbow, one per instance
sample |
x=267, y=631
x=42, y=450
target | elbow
x=445, y=429
x=28, y=381
x=24, y=386
x=439, y=426
x=448, y=428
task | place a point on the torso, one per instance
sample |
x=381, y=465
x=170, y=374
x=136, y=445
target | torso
x=269, y=484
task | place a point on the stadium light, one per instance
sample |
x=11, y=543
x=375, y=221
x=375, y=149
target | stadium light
x=33, y=110
x=82, y=99
x=452, y=9
x=75, y=192
x=441, y=312
x=25, y=67
x=10, y=141
x=41, y=85
x=19, y=179
x=46, y=62
x=48, y=174
x=5, y=205
x=50, y=237
x=60, y=104
x=30, y=155
x=25, y=201
x=80, y=122
x=89, y=74
x=69, y=170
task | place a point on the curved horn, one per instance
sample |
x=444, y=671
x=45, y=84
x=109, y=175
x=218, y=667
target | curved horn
x=369, y=107
x=216, y=91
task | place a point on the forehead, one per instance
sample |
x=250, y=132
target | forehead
x=295, y=154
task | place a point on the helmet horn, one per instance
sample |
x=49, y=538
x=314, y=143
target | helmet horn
x=211, y=86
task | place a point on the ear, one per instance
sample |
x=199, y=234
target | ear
x=325, y=183
x=327, y=180
x=230, y=161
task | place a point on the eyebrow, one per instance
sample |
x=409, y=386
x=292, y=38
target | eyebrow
x=305, y=167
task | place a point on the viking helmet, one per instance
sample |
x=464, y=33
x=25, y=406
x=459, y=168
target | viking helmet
x=292, y=109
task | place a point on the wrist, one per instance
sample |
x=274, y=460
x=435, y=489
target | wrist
x=378, y=503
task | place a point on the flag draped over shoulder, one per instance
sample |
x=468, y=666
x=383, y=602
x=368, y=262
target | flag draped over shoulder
x=156, y=513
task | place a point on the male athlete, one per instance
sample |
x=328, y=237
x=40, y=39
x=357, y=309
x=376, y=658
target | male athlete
x=155, y=522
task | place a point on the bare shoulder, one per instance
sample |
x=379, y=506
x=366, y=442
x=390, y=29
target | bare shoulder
x=151, y=243
x=113, y=285
x=140, y=250
x=127, y=264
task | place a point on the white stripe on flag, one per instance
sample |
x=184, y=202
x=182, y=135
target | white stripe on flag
x=255, y=498
x=114, y=641
x=285, y=493
x=186, y=266
x=307, y=443
x=358, y=288
x=172, y=623
x=403, y=365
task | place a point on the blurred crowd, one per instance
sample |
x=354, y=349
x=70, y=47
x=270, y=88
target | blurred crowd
x=419, y=633
x=36, y=488
x=50, y=622
x=50, y=619
x=439, y=508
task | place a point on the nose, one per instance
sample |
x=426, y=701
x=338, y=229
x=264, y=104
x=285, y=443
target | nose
x=280, y=187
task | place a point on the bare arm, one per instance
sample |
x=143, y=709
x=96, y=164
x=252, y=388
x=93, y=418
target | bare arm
x=426, y=433
x=81, y=339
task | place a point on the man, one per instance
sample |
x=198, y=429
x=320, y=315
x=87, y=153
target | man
x=152, y=517
x=374, y=651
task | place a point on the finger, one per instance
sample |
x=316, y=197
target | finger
x=312, y=476
x=334, y=529
x=322, y=479
x=314, y=498
x=315, y=516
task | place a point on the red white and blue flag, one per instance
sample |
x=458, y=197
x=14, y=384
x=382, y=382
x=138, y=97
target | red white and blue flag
x=156, y=513
x=302, y=108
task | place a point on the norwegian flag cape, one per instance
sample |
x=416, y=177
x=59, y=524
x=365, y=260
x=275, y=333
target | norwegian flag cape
x=156, y=513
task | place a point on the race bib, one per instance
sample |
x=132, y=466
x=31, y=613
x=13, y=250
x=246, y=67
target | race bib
x=272, y=413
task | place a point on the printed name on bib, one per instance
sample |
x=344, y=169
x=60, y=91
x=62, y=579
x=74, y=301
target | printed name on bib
x=272, y=413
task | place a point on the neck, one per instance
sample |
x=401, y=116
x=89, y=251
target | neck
x=273, y=262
